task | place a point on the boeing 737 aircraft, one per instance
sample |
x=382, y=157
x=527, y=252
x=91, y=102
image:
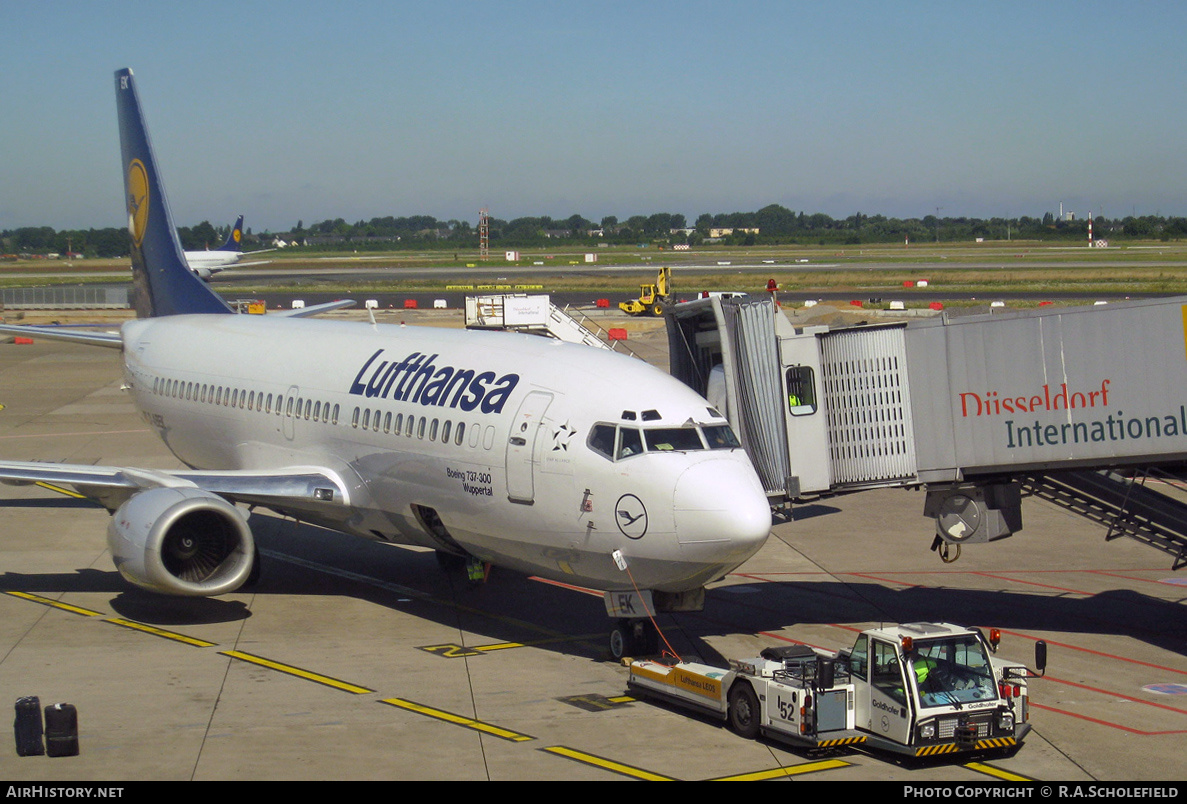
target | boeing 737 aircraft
x=570, y=463
x=207, y=263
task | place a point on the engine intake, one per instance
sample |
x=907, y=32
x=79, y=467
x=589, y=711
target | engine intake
x=181, y=541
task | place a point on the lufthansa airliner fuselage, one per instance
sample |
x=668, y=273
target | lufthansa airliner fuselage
x=523, y=451
x=554, y=459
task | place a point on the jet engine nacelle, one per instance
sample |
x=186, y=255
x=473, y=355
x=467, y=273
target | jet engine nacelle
x=181, y=541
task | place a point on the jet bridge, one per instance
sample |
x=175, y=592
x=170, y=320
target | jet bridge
x=977, y=409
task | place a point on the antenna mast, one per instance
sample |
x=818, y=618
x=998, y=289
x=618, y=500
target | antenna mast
x=484, y=233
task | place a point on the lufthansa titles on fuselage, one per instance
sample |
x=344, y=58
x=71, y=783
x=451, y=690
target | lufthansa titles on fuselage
x=417, y=379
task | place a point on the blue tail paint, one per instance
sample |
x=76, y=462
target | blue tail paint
x=235, y=238
x=162, y=282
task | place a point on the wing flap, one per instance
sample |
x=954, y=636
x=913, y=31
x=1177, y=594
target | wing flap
x=292, y=489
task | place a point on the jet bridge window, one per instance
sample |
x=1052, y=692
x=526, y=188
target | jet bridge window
x=801, y=391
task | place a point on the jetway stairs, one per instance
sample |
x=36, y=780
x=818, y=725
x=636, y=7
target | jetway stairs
x=1126, y=505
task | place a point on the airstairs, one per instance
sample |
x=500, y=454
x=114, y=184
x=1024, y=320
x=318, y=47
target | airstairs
x=519, y=312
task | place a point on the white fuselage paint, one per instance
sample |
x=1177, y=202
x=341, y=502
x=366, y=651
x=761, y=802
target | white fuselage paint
x=216, y=258
x=520, y=486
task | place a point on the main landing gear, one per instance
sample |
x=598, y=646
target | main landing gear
x=633, y=636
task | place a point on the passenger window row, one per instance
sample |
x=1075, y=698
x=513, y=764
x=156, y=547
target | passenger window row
x=293, y=406
x=420, y=427
x=298, y=407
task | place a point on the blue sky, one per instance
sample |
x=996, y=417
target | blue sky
x=290, y=111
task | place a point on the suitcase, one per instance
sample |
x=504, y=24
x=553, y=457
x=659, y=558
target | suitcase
x=61, y=730
x=28, y=727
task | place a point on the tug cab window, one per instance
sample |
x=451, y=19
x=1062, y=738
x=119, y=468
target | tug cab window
x=886, y=673
x=801, y=391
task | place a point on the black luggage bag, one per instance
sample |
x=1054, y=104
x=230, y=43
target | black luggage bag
x=61, y=730
x=28, y=727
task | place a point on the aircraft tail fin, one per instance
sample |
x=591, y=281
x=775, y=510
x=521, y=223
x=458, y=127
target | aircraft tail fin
x=162, y=282
x=235, y=238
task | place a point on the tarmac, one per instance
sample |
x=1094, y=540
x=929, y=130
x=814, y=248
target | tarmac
x=353, y=660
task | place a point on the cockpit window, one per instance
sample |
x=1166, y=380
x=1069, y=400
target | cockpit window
x=601, y=439
x=720, y=436
x=629, y=442
x=620, y=442
x=671, y=439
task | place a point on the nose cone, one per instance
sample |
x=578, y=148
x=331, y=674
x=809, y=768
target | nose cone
x=720, y=508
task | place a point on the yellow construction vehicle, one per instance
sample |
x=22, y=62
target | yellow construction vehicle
x=652, y=298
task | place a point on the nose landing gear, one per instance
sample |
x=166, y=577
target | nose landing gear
x=633, y=636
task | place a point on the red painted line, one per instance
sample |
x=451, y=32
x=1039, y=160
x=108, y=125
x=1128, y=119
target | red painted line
x=1034, y=705
x=1112, y=694
x=997, y=577
x=881, y=579
x=1125, y=577
x=1091, y=652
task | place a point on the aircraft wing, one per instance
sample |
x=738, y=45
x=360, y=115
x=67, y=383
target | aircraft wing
x=236, y=265
x=303, y=312
x=112, y=340
x=297, y=488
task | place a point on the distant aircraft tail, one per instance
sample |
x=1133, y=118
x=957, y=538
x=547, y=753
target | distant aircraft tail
x=162, y=282
x=235, y=238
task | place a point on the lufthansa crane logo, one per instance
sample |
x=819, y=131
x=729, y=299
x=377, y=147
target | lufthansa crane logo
x=137, y=201
x=631, y=516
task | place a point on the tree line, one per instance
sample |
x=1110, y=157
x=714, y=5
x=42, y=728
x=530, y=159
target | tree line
x=771, y=225
x=108, y=242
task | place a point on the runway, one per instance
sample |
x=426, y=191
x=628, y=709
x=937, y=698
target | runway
x=356, y=660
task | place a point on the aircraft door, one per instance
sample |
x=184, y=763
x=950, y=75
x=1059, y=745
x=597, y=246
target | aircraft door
x=287, y=419
x=521, y=447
